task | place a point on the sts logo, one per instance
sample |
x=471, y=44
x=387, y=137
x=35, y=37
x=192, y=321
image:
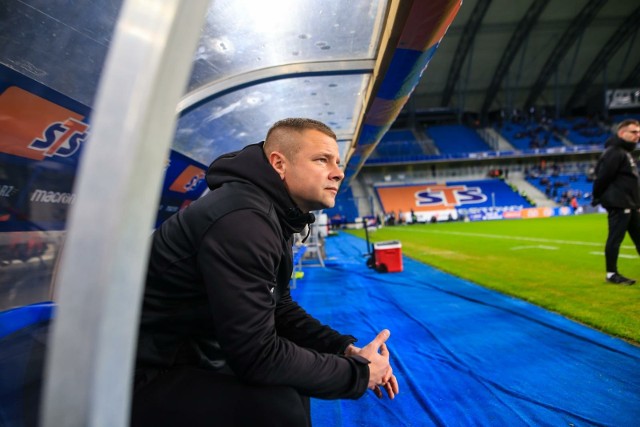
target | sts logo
x=188, y=180
x=445, y=196
x=62, y=138
x=36, y=128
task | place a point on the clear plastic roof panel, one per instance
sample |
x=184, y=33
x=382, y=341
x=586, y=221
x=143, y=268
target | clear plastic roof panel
x=242, y=117
x=286, y=33
x=61, y=44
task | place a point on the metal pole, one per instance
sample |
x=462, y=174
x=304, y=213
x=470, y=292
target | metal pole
x=366, y=234
x=88, y=371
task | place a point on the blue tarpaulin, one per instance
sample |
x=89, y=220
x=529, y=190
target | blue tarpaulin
x=465, y=355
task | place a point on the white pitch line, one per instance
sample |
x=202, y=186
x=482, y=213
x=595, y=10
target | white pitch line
x=619, y=256
x=522, y=238
x=548, y=248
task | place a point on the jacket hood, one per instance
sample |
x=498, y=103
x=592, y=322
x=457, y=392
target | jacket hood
x=615, y=141
x=251, y=165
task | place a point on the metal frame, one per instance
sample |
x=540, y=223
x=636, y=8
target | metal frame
x=577, y=27
x=610, y=48
x=522, y=31
x=464, y=46
x=92, y=344
x=221, y=87
x=632, y=77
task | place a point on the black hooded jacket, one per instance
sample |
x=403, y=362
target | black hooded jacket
x=217, y=293
x=617, y=184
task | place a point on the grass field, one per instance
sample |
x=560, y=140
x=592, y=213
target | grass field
x=556, y=263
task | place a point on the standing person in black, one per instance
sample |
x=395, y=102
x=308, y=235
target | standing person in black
x=221, y=341
x=617, y=189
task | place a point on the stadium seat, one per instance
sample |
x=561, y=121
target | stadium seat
x=452, y=139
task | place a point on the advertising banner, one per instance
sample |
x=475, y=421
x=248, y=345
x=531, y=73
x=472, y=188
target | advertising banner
x=183, y=183
x=42, y=133
x=481, y=199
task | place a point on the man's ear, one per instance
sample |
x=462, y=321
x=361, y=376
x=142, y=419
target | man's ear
x=278, y=162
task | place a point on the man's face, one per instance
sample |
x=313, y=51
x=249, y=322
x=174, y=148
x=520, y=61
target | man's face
x=630, y=133
x=313, y=176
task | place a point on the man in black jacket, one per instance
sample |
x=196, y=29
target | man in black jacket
x=617, y=189
x=221, y=341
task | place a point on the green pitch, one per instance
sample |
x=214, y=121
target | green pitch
x=556, y=263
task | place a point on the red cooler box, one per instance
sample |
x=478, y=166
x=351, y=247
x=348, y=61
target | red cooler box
x=388, y=256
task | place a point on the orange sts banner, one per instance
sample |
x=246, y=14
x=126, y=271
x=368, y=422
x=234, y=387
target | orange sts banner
x=40, y=127
x=42, y=133
x=188, y=180
x=429, y=197
x=184, y=182
x=35, y=128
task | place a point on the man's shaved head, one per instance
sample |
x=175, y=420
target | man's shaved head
x=283, y=135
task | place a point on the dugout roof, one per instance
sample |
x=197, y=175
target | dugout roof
x=505, y=54
x=353, y=65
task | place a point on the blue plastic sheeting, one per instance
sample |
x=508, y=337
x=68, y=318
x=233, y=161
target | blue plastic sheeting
x=465, y=355
x=21, y=317
x=23, y=338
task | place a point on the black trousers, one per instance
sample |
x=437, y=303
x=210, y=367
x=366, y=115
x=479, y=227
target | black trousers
x=621, y=221
x=188, y=396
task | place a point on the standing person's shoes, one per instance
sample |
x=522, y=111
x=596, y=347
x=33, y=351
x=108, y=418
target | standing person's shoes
x=619, y=279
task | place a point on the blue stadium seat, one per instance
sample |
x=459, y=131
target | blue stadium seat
x=346, y=206
x=524, y=136
x=397, y=144
x=576, y=184
x=451, y=139
x=582, y=131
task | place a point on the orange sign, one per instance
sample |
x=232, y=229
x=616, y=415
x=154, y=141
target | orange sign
x=35, y=128
x=188, y=179
x=429, y=197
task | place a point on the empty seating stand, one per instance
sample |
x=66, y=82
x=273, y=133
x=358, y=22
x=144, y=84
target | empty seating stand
x=398, y=144
x=582, y=131
x=524, y=136
x=345, y=210
x=555, y=185
x=453, y=139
